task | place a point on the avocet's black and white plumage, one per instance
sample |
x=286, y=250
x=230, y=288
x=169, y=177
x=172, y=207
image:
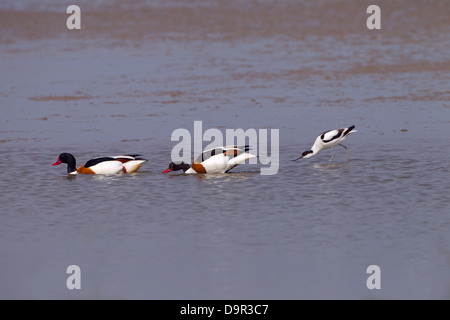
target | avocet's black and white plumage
x=218, y=160
x=328, y=140
x=103, y=165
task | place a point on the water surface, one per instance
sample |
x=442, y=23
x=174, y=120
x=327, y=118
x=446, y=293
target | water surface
x=134, y=74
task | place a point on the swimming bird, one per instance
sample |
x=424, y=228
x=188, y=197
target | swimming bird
x=328, y=140
x=217, y=160
x=103, y=165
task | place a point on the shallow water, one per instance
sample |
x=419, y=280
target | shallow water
x=308, y=232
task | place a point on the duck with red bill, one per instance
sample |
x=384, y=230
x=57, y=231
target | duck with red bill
x=217, y=161
x=102, y=165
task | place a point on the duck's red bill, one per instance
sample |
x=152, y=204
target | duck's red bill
x=57, y=163
x=165, y=171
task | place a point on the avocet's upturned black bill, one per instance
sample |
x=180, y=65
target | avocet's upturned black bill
x=328, y=140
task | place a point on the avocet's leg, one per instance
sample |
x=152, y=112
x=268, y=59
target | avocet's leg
x=346, y=149
x=332, y=155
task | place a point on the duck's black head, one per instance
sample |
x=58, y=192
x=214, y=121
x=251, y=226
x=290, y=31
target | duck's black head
x=175, y=167
x=67, y=158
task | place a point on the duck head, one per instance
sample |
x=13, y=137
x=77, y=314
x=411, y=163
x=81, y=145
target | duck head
x=175, y=167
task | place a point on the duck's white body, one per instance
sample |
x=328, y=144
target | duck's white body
x=105, y=167
x=224, y=159
x=133, y=164
x=215, y=161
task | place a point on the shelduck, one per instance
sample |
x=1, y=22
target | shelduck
x=103, y=165
x=328, y=140
x=217, y=160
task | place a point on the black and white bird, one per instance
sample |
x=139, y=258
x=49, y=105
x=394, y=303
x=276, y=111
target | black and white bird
x=328, y=140
x=217, y=160
x=103, y=165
